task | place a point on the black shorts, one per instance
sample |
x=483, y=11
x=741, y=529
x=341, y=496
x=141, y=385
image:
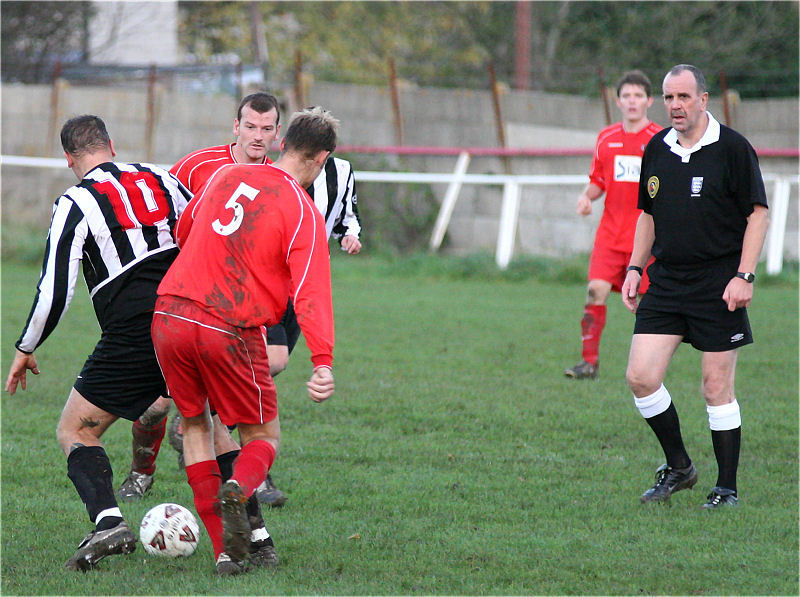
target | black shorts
x=287, y=331
x=688, y=303
x=122, y=375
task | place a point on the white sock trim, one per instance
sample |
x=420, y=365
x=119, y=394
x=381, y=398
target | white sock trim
x=724, y=417
x=259, y=535
x=108, y=512
x=654, y=404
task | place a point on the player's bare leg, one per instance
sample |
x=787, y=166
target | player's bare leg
x=592, y=325
x=267, y=493
x=147, y=434
x=78, y=432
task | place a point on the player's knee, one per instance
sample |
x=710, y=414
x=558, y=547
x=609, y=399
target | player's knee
x=716, y=391
x=156, y=413
x=640, y=382
x=597, y=292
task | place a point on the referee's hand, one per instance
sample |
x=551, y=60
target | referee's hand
x=17, y=375
x=738, y=293
x=630, y=290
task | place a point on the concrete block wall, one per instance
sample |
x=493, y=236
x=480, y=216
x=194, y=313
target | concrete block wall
x=548, y=224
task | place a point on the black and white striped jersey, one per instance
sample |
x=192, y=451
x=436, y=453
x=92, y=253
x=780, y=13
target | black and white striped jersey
x=118, y=222
x=334, y=194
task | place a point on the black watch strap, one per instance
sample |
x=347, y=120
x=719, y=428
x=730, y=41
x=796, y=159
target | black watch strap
x=746, y=276
x=635, y=268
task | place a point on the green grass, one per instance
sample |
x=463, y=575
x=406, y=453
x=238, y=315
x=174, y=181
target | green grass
x=454, y=457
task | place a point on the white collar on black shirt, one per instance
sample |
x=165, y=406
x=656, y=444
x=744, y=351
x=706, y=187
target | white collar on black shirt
x=710, y=136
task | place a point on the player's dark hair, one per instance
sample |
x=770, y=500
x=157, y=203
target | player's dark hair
x=635, y=77
x=310, y=131
x=698, y=75
x=260, y=102
x=84, y=134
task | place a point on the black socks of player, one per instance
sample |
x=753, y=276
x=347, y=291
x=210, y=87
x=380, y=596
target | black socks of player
x=726, y=449
x=90, y=471
x=667, y=428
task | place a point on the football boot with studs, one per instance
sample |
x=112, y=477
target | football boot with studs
x=99, y=544
x=668, y=481
x=720, y=497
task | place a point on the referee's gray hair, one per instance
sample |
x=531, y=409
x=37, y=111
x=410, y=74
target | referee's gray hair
x=311, y=130
x=698, y=75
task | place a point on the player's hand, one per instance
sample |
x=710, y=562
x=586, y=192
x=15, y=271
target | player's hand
x=630, y=290
x=17, y=375
x=584, y=206
x=321, y=385
x=738, y=293
x=351, y=244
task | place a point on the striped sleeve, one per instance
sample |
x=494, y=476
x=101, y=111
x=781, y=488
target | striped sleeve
x=68, y=230
x=334, y=194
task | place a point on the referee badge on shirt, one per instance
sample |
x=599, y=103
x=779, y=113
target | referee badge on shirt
x=697, y=185
x=652, y=186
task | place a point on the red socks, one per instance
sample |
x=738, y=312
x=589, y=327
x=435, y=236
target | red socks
x=205, y=480
x=146, y=444
x=592, y=324
x=253, y=464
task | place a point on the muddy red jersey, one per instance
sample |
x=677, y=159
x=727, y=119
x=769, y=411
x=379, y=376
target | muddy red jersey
x=615, y=169
x=195, y=169
x=256, y=240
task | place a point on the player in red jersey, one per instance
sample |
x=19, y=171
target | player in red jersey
x=257, y=239
x=256, y=127
x=615, y=172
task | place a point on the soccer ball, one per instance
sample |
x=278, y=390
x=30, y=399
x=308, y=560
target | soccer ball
x=169, y=530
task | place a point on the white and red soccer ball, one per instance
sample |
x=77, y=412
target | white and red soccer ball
x=169, y=530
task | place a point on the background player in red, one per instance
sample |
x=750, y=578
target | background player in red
x=615, y=172
x=257, y=239
x=117, y=224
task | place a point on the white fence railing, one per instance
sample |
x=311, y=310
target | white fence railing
x=512, y=188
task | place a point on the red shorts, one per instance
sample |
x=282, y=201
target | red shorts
x=204, y=358
x=611, y=265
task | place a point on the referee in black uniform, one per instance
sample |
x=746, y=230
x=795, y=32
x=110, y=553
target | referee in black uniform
x=704, y=220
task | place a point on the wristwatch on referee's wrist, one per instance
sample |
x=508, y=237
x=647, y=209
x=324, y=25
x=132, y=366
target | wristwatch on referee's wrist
x=635, y=268
x=746, y=276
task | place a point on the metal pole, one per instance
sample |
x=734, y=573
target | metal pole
x=151, y=111
x=779, y=209
x=604, y=94
x=398, y=118
x=449, y=201
x=298, y=80
x=498, y=117
x=508, y=223
x=522, y=45
x=51, y=130
x=726, y=108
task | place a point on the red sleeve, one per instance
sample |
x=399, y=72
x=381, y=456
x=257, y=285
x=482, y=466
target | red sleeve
x=308, y=258
x=596, y=175
x=185, y=222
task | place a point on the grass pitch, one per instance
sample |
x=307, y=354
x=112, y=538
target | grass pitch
x=454, y=457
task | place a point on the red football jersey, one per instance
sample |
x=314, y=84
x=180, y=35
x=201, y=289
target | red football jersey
x=257, y=239
x=195, y=169
x=615, y=169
